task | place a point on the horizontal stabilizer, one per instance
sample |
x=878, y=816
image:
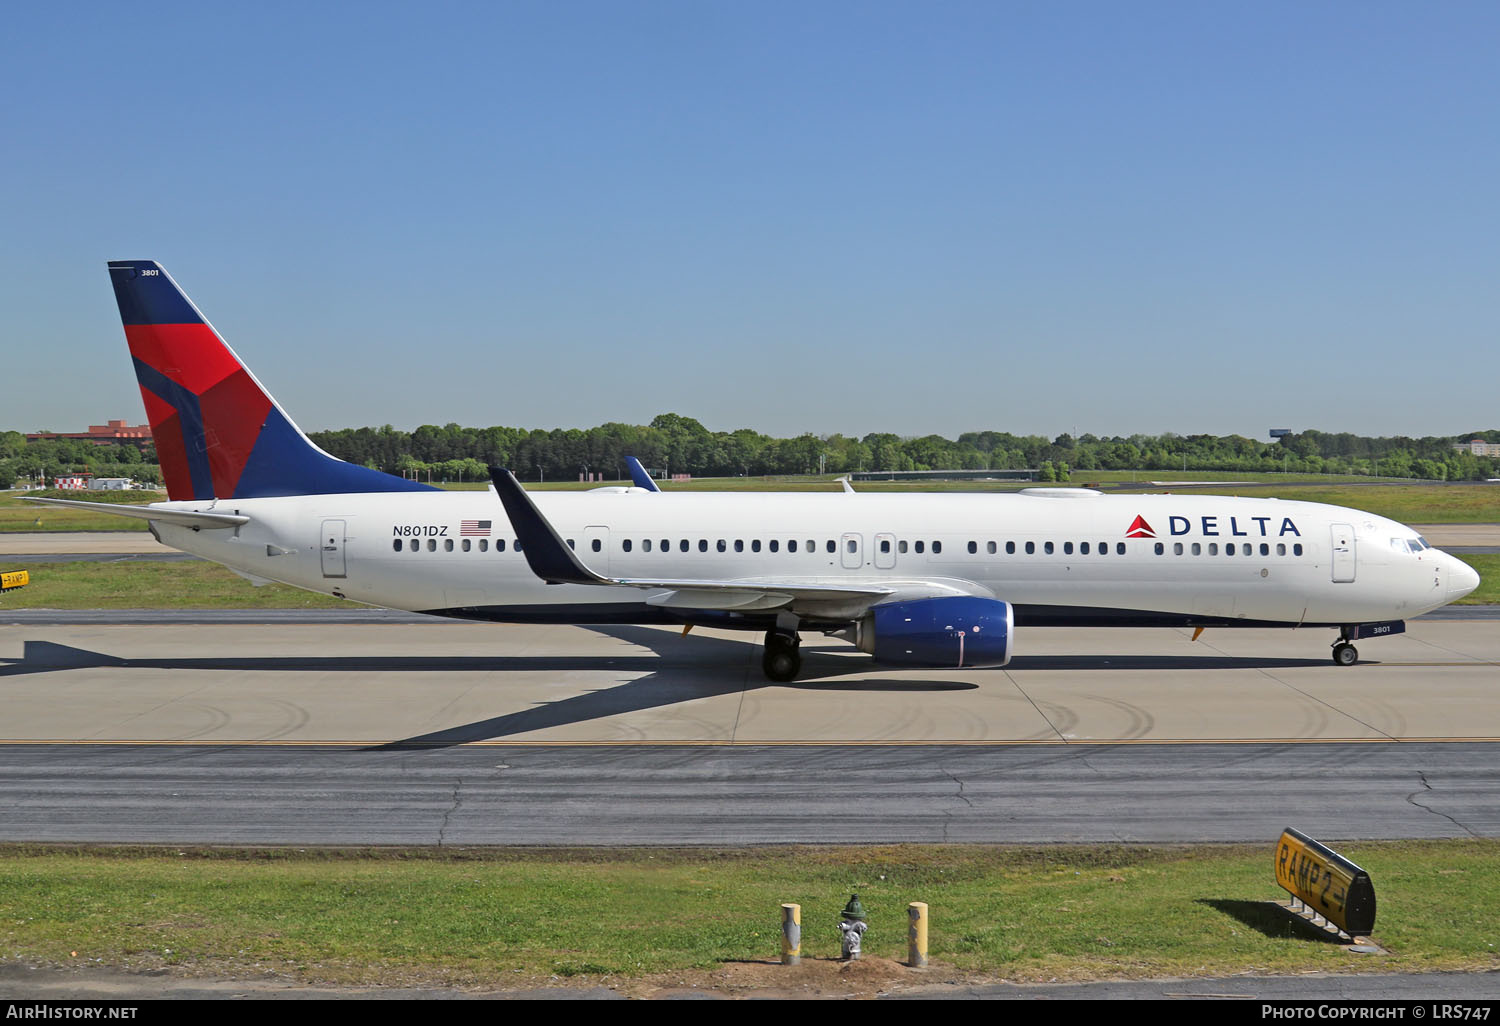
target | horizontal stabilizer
x=180, y=517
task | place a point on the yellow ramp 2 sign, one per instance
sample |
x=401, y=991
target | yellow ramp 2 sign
x=1326, y=882
x=14, y=579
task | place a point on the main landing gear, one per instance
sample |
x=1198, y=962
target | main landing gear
x=1344, y=654
x=782, y=659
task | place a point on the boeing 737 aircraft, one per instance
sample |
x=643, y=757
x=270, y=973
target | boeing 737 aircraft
x=921, y=580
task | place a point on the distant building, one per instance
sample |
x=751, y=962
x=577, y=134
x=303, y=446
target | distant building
x=1479, y=447
x=116, y=432
x=73, y=482
x=113, y=484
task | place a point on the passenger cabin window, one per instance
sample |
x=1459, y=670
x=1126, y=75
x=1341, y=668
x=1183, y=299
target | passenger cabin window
x=1067, y=548
x=739, y=545
x=990, y=548
x=900, y=546
x=1083, y=548
x=1010, y=548
x=1030, y=548
x=396, y=545
x=625, y=545
x=570, y=544
x=1160, y=548
x=702, y=544
x=597, y=545
x=1197, y=549
x=1119, y=548
x=973, y=548
x=834, y=548
x=466, y=545
x=937, y=547
x=885, y=546
x=1047, y=548
x=775, y=545
x=431, y=544
x=499, y=544
x=1280, y=549
x=1213, y=548
x=1297, y=549
x=755, y=545
x=918, y=546
x=1177, y=548
x=791, y=546
x=682, y=546
x=721, y=545
x=484, y=545
x=851, y=545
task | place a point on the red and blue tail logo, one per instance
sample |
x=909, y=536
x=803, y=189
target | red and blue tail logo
x=218, y=433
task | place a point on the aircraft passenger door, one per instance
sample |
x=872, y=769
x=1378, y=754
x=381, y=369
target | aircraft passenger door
x=885, y=551
x=595, y=550
x=850, y=553
x=331, y=542
x=1343, y=553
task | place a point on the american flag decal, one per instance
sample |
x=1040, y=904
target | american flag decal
x=474, y=528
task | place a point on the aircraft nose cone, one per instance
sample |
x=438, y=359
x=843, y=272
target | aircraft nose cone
x=1462, y=579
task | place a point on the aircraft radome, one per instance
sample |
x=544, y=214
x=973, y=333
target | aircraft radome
x=939, y=580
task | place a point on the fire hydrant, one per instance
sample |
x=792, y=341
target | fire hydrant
x=852, y=927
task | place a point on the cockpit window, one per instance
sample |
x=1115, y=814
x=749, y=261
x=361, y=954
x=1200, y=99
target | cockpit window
x=1419, y=544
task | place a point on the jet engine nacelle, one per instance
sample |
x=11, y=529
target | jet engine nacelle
x=944, y=632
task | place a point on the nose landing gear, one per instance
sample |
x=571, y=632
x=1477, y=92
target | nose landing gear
x=1345, y=654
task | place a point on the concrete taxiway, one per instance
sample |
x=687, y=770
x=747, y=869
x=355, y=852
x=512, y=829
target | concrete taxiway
x=436, y=682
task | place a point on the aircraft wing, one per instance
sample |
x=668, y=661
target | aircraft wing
x=181, y=517
x=553, y=561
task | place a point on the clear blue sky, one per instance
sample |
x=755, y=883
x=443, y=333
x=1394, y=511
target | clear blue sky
x=918, y=217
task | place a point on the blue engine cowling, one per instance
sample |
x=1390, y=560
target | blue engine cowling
x=946, y=632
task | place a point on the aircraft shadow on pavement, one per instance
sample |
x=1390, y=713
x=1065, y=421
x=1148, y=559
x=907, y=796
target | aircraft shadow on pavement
x=678, y=670
x=686, y=669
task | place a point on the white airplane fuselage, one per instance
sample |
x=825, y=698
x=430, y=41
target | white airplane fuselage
x=1059, y=559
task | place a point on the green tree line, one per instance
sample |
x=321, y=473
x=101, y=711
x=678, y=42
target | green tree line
x=674, y=444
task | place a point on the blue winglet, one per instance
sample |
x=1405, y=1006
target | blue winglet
x=638, y=475
x=546, y=553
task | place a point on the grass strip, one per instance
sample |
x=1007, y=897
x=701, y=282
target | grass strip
x=487, y=916
x=129, y=584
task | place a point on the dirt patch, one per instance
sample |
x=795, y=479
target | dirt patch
x=815, y=978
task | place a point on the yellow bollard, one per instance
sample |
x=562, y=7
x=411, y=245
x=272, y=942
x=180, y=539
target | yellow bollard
x=791, y=934
x=916, y=934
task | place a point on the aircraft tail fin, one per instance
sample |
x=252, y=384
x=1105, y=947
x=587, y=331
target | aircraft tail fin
x=218, y=432
x=638, y=475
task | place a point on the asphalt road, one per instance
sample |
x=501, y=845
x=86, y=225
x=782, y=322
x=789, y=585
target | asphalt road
x=716, y=795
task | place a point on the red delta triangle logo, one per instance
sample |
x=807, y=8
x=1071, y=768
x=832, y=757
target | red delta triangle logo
x=1140, y=529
